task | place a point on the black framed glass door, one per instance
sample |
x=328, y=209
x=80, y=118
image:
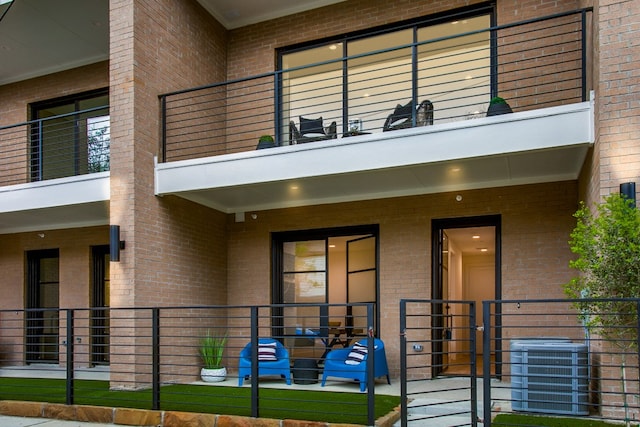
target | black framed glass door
x=42, y=304
x=100, y=302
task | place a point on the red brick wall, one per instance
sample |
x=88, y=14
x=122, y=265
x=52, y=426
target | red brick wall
x=16, y=97
x=536, y=222
x=618, y=137
x=172, y=245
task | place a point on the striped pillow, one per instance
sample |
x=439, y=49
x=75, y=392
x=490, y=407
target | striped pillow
x=267, y=352
x=356, y=355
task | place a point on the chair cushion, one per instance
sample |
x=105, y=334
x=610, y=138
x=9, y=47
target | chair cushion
x=403, y=111
x=267, y=352
x=311, y=127
x=356, y=355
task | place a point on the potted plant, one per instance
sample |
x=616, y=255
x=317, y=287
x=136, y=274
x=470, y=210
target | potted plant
x=211, y=349
x=265, y=141
x=498, y=106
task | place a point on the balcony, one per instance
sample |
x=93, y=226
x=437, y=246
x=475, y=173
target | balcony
x=210, y=134
x=55, y=171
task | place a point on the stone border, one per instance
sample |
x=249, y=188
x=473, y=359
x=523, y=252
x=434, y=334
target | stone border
x=142, y=417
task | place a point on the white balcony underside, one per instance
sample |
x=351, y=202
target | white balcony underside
x=537, y=146
x=79, y=201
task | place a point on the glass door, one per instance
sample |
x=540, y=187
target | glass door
x=362, y=276
x=100, y=306
x=42, y=303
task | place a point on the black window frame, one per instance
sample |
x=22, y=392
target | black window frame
x=35, y=108
x=486, y=8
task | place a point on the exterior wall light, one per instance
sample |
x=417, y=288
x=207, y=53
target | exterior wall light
x=115, y=244
x=628, y=190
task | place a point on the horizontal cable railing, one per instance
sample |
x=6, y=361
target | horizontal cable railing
x=541, y=362
x=59, y=146
x=151, y=358
x=532, y=64
x=562, y=358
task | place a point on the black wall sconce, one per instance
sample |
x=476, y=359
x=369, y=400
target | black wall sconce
x=115, y=244
x=628, y=190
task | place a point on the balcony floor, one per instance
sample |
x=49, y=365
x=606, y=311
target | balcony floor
x=544, y=145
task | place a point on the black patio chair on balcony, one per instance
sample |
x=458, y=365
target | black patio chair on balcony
x=402, y=116
x=311, y=130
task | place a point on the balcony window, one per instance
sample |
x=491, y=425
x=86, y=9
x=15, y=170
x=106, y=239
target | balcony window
x=358, y=81
x=70, y=136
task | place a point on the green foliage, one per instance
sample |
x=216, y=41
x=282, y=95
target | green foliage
x=497, y=100
x=266, y=138
x=211, y=349
x=607, y=243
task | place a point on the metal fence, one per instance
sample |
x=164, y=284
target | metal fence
x=149, y=358
x=541, y=358
x=533, y=64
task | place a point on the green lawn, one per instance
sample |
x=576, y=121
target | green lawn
x=274, y=403
x=522, y=420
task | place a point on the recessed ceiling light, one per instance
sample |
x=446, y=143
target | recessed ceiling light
x=333, y=47
x=475, y=236
x=294, y=187
x=484, y=249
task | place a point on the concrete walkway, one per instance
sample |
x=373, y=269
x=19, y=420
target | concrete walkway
x=6, y=421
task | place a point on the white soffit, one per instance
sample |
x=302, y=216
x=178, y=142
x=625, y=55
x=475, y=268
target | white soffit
x=536, y=146
x=80, y=201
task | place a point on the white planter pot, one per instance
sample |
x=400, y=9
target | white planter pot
x=213, y=375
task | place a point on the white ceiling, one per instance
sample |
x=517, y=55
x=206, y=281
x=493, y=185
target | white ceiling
x=235, y=14
x=39, y=37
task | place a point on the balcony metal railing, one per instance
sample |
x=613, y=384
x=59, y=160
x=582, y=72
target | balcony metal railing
x=55, y=147
x=532, y=64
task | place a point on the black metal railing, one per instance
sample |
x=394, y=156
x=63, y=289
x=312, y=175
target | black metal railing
x=546, y=358
x=532, y=64
x=59, y=146
x=575, y=358
x=154, y=360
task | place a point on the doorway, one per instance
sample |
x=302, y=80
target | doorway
x=466, y=267
x=100, y=291
x=42, y=304
x=321, y=279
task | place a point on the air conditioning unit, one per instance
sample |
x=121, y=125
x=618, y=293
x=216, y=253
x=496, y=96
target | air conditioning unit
x=550, y=376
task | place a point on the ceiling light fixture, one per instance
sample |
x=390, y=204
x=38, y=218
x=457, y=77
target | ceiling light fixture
x=475, y=236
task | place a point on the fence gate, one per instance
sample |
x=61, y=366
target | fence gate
x=439, y=340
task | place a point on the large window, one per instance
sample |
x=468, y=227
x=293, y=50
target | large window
x=42, y=302
x=326, y=277
x=357, y=81
x=70, y=136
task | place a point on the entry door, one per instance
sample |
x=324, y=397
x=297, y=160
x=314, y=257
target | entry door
x=361, y=283
x=100, y=306
x=42, y=303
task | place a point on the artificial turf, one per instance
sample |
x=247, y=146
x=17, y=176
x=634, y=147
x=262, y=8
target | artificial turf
x=524, y=420
x=324, y=406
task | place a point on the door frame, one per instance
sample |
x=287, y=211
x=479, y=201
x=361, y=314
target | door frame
x=437, y=327
x=277, y=241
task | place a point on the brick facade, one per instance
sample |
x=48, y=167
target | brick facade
x=181, y=253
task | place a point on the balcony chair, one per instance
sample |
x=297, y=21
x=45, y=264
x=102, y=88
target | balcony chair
x=273, y=359
x=401, y=118
x=351, y=362
x=311, y=130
